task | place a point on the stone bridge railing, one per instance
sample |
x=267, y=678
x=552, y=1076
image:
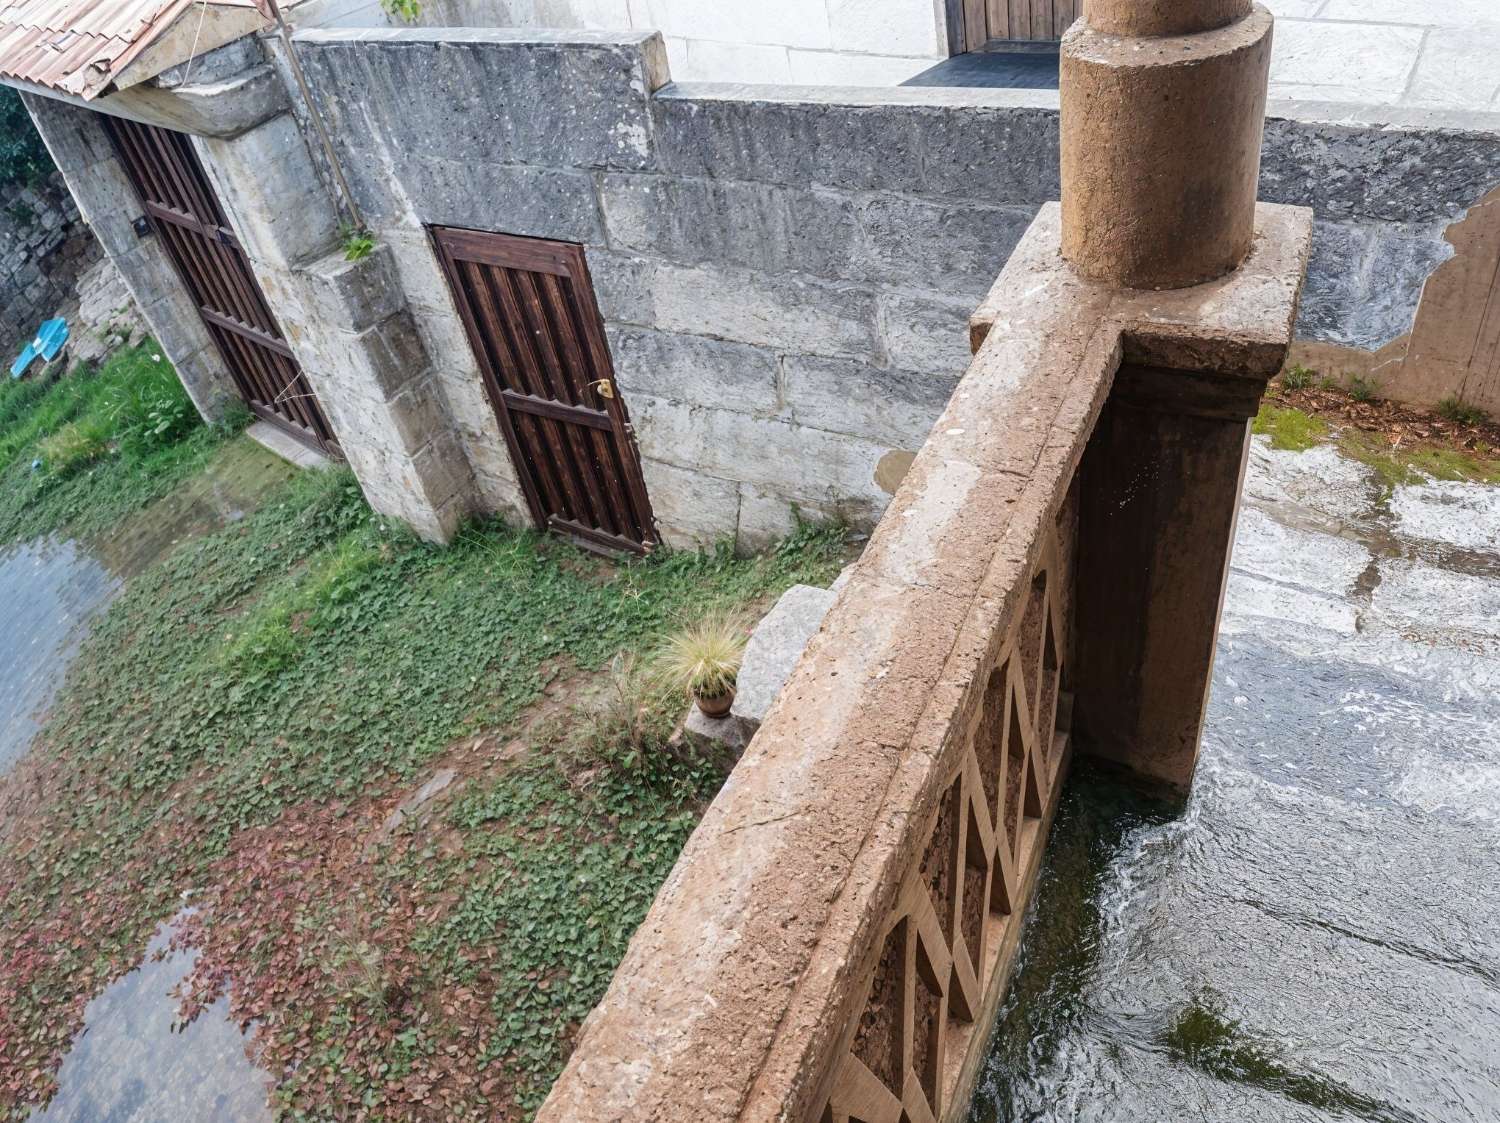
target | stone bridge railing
x=835, y=940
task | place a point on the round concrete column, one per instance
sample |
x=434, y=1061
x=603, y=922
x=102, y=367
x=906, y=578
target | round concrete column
x=1163, y=108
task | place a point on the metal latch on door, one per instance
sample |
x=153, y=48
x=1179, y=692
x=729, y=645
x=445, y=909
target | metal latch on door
x=605, y=388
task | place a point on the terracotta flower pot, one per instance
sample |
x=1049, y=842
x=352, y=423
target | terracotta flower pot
x=715, y=707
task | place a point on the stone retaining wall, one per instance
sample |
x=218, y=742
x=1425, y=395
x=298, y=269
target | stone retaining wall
x=785, y=273
x=44, y=247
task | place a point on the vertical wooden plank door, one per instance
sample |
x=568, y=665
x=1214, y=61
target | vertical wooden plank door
x=529, y=311
x=186, y=216
x=1029, y=20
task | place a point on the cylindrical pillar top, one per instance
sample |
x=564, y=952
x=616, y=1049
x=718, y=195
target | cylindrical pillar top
x=1142, y=18
x=1161, y=140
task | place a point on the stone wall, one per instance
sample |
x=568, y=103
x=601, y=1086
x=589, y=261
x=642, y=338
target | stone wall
x=786, y=310
x=82, y=151
x=44, y=247
x=786, y=273
x=346, y=323
x=815, y=42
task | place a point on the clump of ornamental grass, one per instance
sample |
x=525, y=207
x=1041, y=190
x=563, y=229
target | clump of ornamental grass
x=703, y=658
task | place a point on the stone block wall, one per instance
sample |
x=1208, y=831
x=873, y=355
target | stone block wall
x=44, y=246
x=786, y=273
x=348, y=325
x=819, y=42
x=780, y=329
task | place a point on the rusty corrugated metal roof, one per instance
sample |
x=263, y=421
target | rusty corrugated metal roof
x=81, y=46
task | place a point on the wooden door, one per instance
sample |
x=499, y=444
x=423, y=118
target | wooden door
x=186, y=216
x=529, y=310
x=1018, y=20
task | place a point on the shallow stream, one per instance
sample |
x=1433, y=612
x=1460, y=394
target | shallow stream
x=1317, y=936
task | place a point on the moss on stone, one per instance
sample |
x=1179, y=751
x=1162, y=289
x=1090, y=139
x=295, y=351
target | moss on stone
x=1397, y=466
x=1206, y=1038
x=1289, y=428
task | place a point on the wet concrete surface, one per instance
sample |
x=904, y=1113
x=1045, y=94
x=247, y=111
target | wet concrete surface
x=134, y=1063
x=51, y=589
x=1317, y=935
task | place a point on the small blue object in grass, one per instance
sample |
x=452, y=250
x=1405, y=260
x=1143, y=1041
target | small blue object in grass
x=49, y=340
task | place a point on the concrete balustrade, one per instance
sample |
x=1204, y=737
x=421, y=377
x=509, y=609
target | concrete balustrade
x=836, y=939
x=837, y=936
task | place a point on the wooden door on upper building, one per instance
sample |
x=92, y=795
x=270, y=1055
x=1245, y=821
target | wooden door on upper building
x=185, y=214
x=1017, y=20
x=528, y=308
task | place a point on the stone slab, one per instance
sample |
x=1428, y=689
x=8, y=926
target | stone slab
x=291, y=450
x=774, y=648
x=707, y=732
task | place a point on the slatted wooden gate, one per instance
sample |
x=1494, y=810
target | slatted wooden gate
x=1028, y=20
x=529, y=310
x=185, y=214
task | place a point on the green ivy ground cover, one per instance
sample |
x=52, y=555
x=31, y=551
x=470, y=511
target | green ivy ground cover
x=250, y=711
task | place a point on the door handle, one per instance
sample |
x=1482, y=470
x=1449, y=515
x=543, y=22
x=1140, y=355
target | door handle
x=604, y=387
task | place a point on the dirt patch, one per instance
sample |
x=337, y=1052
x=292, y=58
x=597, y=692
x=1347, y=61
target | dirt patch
x=1396, y=424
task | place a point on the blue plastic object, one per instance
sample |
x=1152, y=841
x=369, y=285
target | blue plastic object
x=49, y=341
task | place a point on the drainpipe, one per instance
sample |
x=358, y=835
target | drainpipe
x=272, y=10
x=1163, y=107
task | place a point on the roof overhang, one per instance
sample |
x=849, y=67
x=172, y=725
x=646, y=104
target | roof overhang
x=187, y=38
x=89, y=48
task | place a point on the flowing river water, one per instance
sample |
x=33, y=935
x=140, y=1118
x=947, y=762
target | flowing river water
x=1316, y=937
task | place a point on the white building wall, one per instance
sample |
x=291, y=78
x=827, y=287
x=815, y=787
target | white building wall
x=786, y=42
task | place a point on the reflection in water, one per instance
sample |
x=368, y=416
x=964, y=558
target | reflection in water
x=130, y=1062
x=134, y=1064
x=1315, y=936
x=48, y=592
x=50, y=589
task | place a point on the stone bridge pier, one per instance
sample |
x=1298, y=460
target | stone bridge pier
x=1163, y=104
x=836, y=938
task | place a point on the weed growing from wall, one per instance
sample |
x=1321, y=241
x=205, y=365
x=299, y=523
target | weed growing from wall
x=1461, y=412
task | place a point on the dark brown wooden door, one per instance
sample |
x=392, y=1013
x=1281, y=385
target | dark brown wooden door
x=185, y=214
x=529, y=310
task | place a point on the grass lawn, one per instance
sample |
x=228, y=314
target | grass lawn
x=78, y=453
x=252, y=709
